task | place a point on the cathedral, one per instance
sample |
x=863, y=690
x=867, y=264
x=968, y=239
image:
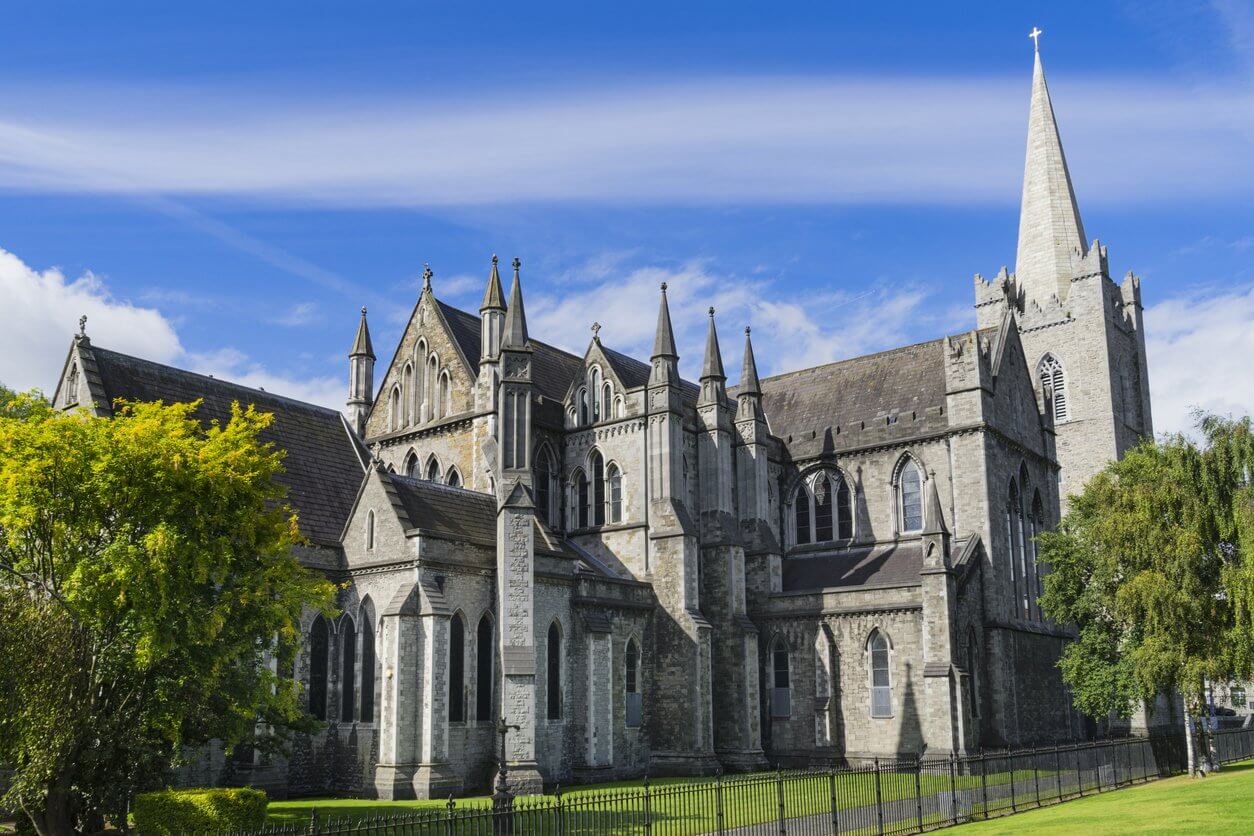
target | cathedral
x=627, y=572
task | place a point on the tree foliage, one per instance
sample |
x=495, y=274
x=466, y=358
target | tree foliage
x=146, y=579
x=1154, y=565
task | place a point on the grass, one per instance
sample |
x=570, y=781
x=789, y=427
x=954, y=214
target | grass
x=1220, y=803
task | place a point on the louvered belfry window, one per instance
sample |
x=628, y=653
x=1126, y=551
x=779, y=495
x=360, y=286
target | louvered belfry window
x=1054, y=385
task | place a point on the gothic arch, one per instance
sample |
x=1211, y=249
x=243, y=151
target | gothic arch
x=457, y=667
x=371, y=529
x=433, y=470
x=394, y=407
x=485, y=666
x=347, y=640
x=554, y=671
x=580, y=503
x=453, y=478
x=369, y=660
x=879, y=652
x=407, y=394
x=411, y=463
x=907, y=493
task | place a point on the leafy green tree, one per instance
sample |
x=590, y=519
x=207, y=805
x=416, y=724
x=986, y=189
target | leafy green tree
x=146, y=579
x=1154, y=565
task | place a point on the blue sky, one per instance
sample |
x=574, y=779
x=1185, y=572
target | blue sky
x=223, y=186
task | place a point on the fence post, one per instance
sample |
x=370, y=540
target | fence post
x=879, y=801
x=1058, y=770
x=1011, y=759
x=648, y=807
x=1079, y=774
x=1114, y=761
x=1036, y=774
x=953, y=786
x=779, y=787
x=984, y=781
x=1097, y=770
x=718, y=800
x=918, y=790
x=559, y=810
x=313, y=820
x=831, y=787
x=448, y=819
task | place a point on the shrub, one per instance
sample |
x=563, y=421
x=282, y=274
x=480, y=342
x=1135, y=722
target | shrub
x=192, y=811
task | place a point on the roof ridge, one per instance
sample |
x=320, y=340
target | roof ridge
x=219, y=380
x=530, y=339
x=417, y=481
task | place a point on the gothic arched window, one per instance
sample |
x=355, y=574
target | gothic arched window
x=881, y=676
x=844, y=511
x=781, y=680
x=1054, y=387
x=370, y=530
x=801, y=514
x=411, y=464
x=407, y=394
x=368, y=661
x=598, y=488
x=318, y=648
x=607, y=401
x=446, y=400
x=583, y=408
x=910, y=496
x=553, y=669
x=631, y=685
x=1014, y=546
x=614, y=489
x=348, y=667
x=453, y=479
x=456, y=669
x=546, y=473
x=433, y=470
x=484, y=666
x=822, y=509
x=429, y=391
x=420, y=382
x=973, y=674
x=595, y=388
x=394, y=408
x=579, y=500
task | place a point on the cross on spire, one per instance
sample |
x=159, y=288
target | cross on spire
x=1035, y=35
x=82, y=325
x=426, y=276
x=596, y=331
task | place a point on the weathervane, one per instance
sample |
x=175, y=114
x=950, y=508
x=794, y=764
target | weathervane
x=1035, y=35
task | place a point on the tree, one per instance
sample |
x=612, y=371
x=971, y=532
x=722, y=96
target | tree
x=146, y=580
x=1154, y=565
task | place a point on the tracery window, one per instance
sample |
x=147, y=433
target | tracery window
x=881, y=676
x=484, y=647
x=631, y=685
x=456, y=669
x=368, y=660
x=781, y=680
x=614, y=488
x=1054, y=387
x=553, y=668
x=348, y=667
x=910, y=497
x=318, y=648
x=823, y=509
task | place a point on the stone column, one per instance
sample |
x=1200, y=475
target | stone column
x=398, y=700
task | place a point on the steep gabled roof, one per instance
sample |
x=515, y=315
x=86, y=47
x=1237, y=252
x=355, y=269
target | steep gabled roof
x=891, y=564
x=844, y=393
x=444, y=511
x=324, y=462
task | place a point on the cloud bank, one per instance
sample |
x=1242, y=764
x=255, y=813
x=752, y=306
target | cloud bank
x=712, y=141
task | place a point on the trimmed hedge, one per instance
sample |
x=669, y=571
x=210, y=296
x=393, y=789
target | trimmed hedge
x=198, y=811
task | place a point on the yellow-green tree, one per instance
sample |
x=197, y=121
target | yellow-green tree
x=1154, y=565
x=145, y=574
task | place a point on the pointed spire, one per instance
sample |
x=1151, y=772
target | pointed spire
x=664, y=340
x=361, y=345
x=1050, y=230
x=515, y=335
x=494, y=296
x=749, y=384
x=933, y=516
x=713, y=366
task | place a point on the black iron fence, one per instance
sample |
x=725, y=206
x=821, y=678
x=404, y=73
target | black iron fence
x=884, y=797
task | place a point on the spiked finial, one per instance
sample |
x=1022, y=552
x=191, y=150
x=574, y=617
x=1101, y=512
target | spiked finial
x=934, y=517
x=713, y=366
x=749, y=384
x=515, y=335
x=361, y=345
x=493, y=296
x=664, y=339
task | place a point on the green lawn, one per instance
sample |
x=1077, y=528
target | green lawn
x=1220, y=803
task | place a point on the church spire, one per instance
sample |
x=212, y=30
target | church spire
x=360, y=376
x=1050, y=230
x=749, y=384
x=515, y=317
x=361, y=345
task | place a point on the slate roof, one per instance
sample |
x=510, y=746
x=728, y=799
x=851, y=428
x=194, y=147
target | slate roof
x=553, y=369
x=899, y=381
x=630, y=371
x=446, y=511
x=892, y=564
x=324, y=464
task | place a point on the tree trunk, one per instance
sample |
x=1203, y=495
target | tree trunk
x=57, y=816
x=1189, y=745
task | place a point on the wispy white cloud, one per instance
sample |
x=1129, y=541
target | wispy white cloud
x=41, y=311
x=1199, y=348
x=302, y=313
x=774, y=139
